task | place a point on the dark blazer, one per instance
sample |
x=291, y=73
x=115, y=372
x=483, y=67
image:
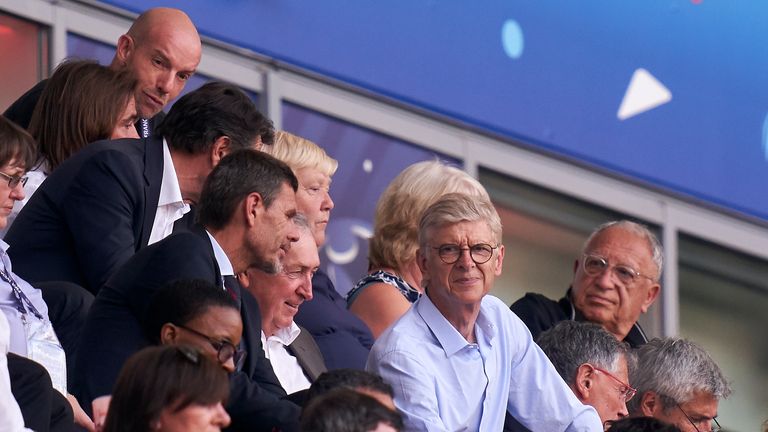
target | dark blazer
x=308, y=354
x=113, y=331
x=343, y=338
x=92, y=214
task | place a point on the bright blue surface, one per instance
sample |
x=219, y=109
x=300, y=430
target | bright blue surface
x=555, y=79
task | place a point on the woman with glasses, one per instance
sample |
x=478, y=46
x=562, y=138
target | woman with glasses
x=169, y=389
x=394, y=279
x=82, y=102
x=192, y=313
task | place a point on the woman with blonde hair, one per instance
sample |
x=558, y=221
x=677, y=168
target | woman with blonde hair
x=394, y=278
x=343, y=339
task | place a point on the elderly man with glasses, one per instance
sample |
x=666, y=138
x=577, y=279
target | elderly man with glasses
x=593, y=363
x=615, y=280
x=679, y=383
x=458, y=359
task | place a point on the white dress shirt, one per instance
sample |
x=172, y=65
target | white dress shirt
x=286, y=367
x=12, y=420
x=170, y=205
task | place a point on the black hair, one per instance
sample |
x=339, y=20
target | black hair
x=348, y=378
x=236, y=176
x=182, y=301
x=345, y=410
x=214, y=110
x=641, y=424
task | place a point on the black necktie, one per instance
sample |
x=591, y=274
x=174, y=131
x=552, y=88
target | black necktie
x=233, y=288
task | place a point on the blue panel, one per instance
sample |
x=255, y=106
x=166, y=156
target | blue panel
x=368, y=161
x=552, y=75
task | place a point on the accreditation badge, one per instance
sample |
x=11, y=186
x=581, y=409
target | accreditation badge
x=43, y=346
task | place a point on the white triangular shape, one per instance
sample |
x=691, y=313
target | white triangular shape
x=644, y=93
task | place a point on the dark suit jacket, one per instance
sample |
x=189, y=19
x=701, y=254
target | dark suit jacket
x=343, y=338
x=308, y=354
x=92, y=214
x=113, y=331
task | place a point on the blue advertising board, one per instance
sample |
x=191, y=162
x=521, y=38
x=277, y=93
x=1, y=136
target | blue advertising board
x=670, y=92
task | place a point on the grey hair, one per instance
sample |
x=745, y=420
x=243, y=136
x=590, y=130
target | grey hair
x=570, y=344
x=301, y=221
x=457, y=207
x=675, y=368
x=641, y=230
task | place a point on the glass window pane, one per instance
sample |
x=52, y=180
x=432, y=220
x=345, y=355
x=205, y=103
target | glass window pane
x=24, y=59
x=368, y=161
x=724, y=308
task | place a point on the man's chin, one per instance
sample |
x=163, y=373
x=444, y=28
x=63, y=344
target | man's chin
x=268, y=267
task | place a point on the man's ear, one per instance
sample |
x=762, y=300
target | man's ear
x=124, y=50
x=253, y=207
x=650, y=403
x=499, y=263
x=653, y=292
x=168, y=334
x=583, y=384
x=219, y=149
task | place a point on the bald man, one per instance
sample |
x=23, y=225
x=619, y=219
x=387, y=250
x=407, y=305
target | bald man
x=162, y=49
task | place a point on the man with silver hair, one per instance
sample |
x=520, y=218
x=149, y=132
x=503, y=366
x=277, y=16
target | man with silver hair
x=458, y=359
x=679, y=383
x=615, y=279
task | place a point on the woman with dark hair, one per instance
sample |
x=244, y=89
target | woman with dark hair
x=194, y=313
x=82, y=102
x=169, y=389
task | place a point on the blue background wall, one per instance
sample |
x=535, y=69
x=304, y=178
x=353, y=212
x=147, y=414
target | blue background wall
x=551, y=74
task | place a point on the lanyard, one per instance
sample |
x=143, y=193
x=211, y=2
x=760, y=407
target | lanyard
x=21, y=298
x=144, y=128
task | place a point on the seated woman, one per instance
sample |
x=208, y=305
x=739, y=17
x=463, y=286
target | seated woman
x=394, y=279
x=169, y=389
x=32, y=334
x=191, y=313
x=343, y=339
x=83, y=102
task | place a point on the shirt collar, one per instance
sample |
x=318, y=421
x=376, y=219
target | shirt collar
x=449, y=338
x=286, y=335
x=170, y=192
x=4, y=246
x=225, y=266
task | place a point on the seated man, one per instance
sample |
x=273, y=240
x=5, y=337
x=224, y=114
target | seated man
x=679, y=383
x=459, y=359
x=294, y=355
x=246, y=214
x=594, y=365
x=615, y=279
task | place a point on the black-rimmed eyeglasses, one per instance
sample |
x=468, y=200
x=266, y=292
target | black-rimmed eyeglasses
x=480, y=253
x=595, y=265
x=224, y=350
x=712, y=427
x=14, y=181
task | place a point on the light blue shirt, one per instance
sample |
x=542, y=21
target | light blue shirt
x=443, y=383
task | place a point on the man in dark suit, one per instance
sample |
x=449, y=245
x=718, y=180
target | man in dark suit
x=115, y=197
x=161, y=49
x=246, y=214
x=293, y=352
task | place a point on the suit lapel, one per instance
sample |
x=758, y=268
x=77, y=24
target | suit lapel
x=308, y=355
x=153, y=178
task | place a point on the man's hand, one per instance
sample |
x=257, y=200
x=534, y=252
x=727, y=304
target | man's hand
x=100, y=405
x=81, y=418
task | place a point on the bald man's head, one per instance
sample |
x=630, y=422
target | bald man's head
x=162, y=49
